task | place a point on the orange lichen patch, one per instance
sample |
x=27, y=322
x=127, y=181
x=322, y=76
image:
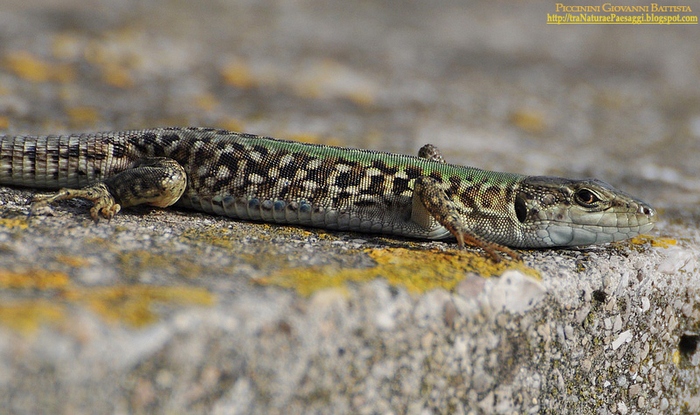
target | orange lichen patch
x=653, y=241
x=132, y=304
x=31, y=68
x=238, y=74
x=27, y=315
x=663, y=242
x=295, y=231
x=96, y=241
x=117, y=75
x=72, y=261
x=67, y=46
x=418, y=271
x=132, y=263
x=142, y=258
x=81, y=116
x=113, y=53
x=676, y=357
x=212, y=235
x=231, y=124
x=14, y=223
x=128, y=304
x=206, y=101
x=4, y=123
x=528, y=120
x=361, y=98
x=330, y=79
x=38, y=279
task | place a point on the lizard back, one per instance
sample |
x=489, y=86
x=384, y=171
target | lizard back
x=260, y=178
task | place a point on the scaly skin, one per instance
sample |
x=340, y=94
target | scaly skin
x=258, y=178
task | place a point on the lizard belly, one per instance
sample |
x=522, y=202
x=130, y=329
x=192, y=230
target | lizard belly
x=395, y=221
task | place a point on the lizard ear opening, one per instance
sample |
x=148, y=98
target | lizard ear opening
x=520, y=208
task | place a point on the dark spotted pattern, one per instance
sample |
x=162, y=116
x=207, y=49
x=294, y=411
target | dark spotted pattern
x=223, y=167
x=251, y=177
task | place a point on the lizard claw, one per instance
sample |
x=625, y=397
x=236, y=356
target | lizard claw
x=490, y=248
x=98, y=194
x=107, y=209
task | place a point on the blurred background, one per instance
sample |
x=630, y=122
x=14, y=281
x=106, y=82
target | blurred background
x=488, y=82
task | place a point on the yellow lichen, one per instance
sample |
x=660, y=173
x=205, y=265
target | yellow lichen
x=139, y=259
x=663, y=242
x=238, y=74
x=27, y=315
x=29, y=67
x=131, y=304
x=416, y=270
x=331, y=79
x=114, y=55
x=127, y=304
x=72, y=261
x=132, y=263
x=676, y=357
x=14, y=223
x=67, y=46
x=206, y=101
x=117, y=75
x=653, y=241
x=213, y=235
x=231, y=124
x=528, y=120
x=81, y=116
x=37, y=279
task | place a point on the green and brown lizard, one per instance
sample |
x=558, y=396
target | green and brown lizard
x=259, y=178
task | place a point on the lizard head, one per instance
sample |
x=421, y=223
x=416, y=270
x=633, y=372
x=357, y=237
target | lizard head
x=563, y=212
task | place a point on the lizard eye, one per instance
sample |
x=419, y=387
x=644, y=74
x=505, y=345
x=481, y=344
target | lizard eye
x=585, y=197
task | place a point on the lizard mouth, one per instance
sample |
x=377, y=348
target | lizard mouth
x=577, y=235
x=550, y=233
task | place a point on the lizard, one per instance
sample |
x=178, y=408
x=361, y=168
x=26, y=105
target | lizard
x=250, y=177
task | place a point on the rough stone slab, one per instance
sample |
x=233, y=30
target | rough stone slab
x=603, y=326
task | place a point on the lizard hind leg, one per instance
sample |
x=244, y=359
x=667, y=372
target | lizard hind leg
x=156, y=181
x=103, y=201
x=440, y=207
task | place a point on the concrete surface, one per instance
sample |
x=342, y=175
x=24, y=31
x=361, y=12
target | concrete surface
x=169, y=312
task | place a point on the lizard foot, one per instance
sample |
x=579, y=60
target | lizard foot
x=103, y=202
x=490, y=248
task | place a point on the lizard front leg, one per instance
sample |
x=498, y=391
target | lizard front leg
x=439, y=206
x=156, y=181
x=431, y=202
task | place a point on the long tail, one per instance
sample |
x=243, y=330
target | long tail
x=51, y=162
